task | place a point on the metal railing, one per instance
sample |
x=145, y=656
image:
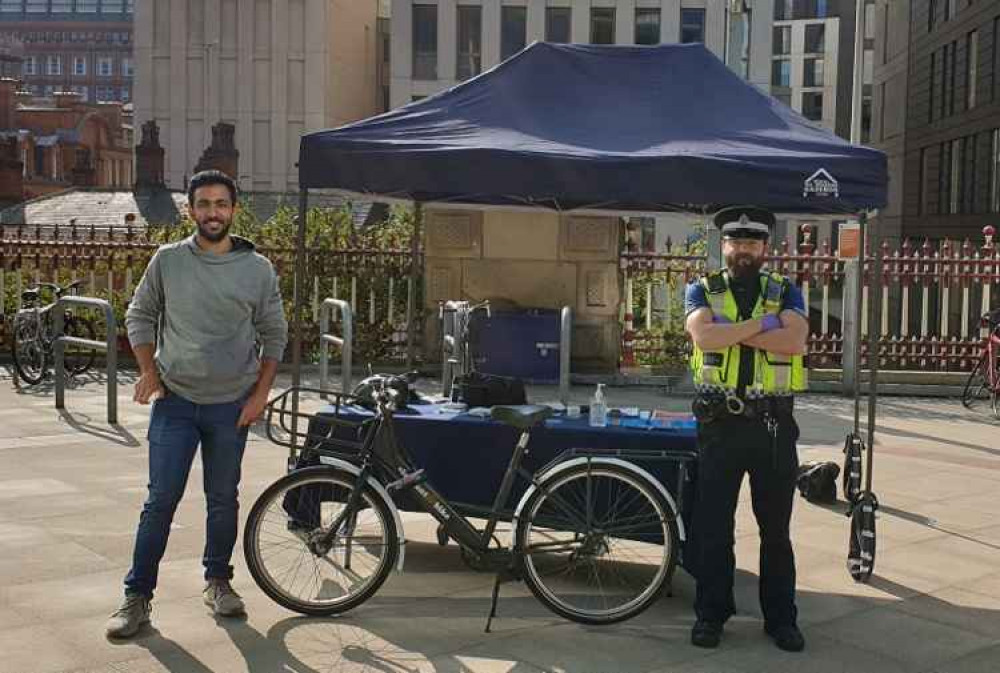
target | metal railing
x=109, y=345
x=345, y=343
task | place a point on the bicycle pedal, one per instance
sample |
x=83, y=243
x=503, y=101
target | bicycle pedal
x=407, y=480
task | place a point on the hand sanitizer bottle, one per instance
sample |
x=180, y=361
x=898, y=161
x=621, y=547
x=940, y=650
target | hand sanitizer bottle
x=598, y=408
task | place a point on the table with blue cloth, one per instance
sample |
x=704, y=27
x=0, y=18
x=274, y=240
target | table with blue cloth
x=465, y=456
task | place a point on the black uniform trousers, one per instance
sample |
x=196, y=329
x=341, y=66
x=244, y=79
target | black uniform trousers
x=728, y=448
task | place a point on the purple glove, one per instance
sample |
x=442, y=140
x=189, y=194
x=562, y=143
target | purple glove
x=721, y=319
x=770, y=322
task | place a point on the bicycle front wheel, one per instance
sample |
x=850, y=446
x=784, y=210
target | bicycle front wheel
x=977, y=388
x=597, y=543
x=28, y=351
x=295, y=566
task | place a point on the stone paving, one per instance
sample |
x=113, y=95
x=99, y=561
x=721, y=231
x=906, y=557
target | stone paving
x=71, y=488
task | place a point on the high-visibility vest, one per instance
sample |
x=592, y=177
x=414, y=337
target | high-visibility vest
x=719, y=371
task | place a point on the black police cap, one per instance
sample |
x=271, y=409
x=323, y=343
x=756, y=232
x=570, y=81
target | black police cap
x=745, y=222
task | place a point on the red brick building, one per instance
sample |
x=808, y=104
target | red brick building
x=51, y=146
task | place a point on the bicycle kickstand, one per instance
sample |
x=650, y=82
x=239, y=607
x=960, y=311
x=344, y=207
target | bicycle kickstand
x=493, y=604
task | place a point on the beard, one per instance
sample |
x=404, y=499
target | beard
x=743, y=265
x=214, y=230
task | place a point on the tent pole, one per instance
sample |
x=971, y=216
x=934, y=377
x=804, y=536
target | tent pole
x=299, y=279
x=411, y=299
x=858, y=318
x=874, y=330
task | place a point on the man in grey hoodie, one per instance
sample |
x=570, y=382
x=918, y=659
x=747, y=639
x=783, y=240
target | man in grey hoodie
x=208, y=330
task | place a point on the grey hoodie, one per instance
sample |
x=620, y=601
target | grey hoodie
x=206, y=312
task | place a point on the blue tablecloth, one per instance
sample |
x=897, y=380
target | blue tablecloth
x=466, y=456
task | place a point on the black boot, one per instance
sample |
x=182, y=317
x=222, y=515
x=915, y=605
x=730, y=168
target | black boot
x=706, y=634
x=786, y=637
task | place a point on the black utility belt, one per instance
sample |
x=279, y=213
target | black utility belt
x=708, y=408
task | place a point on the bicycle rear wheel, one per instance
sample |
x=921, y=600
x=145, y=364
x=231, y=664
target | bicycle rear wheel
x=977, y=388
x=28, y=351
x=289, y=563
x=598, y=542
x=79, y=358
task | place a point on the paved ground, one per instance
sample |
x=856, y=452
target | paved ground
x=71, y=488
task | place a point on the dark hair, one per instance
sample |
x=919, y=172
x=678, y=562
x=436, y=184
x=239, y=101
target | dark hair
x=206, y=178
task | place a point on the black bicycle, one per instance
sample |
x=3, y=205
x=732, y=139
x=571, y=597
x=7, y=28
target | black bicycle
x=595, y=536
x=34, y=337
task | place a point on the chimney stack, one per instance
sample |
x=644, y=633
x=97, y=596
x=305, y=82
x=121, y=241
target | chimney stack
x=222, y=154
x=8, y=104
x=149, y=158
x=11, y=172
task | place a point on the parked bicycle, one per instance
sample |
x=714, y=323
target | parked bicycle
x=34, y=338
x=595, y=537
x=984, y=381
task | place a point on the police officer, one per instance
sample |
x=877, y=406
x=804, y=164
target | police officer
x=749, y=331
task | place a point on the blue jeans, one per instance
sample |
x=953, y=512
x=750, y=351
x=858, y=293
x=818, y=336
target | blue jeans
x=176, y=427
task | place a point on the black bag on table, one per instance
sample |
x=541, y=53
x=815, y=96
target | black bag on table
x=487, y=390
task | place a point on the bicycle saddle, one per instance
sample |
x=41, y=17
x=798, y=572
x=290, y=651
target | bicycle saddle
x=522, y=416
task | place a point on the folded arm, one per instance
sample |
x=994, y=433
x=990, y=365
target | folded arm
x=713, y=336
x=790, y=339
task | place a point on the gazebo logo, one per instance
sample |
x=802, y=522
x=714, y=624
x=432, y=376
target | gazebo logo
x=821, y=183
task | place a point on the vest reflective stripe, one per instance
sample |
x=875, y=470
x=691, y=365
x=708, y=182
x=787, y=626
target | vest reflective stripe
x=773, y=373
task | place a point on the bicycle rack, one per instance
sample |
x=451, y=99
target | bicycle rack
x=345, y=343
x=110, y=346
x=452, y=351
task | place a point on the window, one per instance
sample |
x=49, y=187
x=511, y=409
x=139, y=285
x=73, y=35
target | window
x=62, y=6
x=950, y=8
x=866, y=116
x=782, y=40
x=815, y=38
x=647, y=26
x=54, y=65
x=995, y=172
x=557, y=24
x=425, y=39
x=10, y=6
x=513, y=30
x=86, y=6
x=968, y=204
x=813, y=75
x=785, y=98
x=812, y=105
x=692, y=25
x=30, y=65
x=781, y=72
x=944, y=179
x=129, y=6
x=36, y=6
x=112, y=6
x=933, y=87
x=602, y=25
x=84, y=93
x=931, y=14
x=972, y=68
x=870, y=21
x=953, y=49
x=922, y=205
x=104, y=66
x=106, y=94
x=469, y=62
x=881, y=111
x=128, y=67
x=783, y=10
x=955, y=172
x=79, y=66
x=994, y=78
x=126, y=94
x=821, y=9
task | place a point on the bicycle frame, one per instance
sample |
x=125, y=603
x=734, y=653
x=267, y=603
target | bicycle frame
x=382, y=457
